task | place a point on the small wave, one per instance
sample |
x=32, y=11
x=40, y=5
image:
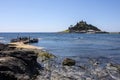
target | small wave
x=39, y=38
x=2, y=41
x=1, y=37
x=40, y=47
x=114, y=49
x=78, y=38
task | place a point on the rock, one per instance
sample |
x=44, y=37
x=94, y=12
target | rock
x=10, y=67
x=18, y=65
x=2, y=46
x=45, y=55
x=68, y=62
x=5, y=47
x=25, y=40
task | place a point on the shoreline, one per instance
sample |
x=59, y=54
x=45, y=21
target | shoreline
x=46, y=66
x=18, y=61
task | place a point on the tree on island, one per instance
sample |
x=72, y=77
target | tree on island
x=82, y=26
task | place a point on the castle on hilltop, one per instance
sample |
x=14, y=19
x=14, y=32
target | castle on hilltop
x=83, y=27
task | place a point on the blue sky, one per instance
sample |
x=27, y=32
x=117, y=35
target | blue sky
x=57, y=15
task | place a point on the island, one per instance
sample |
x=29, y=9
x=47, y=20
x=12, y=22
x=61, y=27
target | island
x=83, y=27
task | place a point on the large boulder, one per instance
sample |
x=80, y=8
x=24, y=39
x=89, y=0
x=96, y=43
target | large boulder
x=68, y=62
x=18, y=65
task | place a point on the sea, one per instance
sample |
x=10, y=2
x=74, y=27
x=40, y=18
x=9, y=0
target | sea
x=74, y=44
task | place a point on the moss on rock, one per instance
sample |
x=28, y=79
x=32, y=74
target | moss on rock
x=45, y=55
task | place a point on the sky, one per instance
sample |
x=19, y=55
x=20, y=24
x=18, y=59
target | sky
x=58, y=15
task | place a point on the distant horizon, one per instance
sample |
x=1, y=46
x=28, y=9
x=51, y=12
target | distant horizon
x=39, y=32
x=58, y=15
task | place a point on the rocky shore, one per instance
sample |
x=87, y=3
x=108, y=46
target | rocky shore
x=20, y=61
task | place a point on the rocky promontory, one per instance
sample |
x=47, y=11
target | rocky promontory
x=18, y=64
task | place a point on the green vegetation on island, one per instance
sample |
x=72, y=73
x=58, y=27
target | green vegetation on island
x=83, y=27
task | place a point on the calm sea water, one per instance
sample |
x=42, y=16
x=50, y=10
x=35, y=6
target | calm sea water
x=74, y=44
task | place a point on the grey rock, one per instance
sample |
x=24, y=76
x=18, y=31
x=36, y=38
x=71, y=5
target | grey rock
x=68, y=62
x=18, y=65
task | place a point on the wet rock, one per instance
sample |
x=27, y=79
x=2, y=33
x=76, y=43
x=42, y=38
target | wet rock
x=68, y=62
x=18, y=65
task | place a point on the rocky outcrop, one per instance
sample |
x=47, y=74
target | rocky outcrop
x=83, y=27
x=25, y=40
x=18, y=65
x=6, y=47
x=2, y=46
x=68, y=62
